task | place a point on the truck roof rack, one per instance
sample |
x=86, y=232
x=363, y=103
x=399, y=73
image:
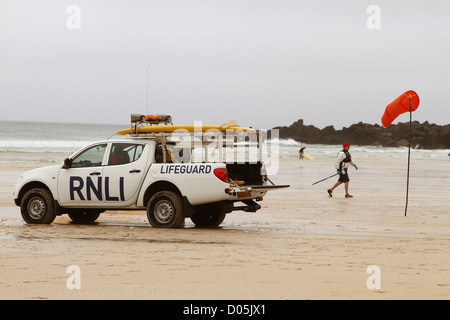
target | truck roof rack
x=220, y=139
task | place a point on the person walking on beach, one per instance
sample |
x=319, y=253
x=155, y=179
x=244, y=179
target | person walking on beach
x=343, y=162
x=301, y=153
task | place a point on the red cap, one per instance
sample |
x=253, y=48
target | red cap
x=346, y=144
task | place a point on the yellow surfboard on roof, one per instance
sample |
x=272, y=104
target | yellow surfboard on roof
x=230, y=125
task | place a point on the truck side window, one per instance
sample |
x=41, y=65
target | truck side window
x=123, y=153
x=91, y=157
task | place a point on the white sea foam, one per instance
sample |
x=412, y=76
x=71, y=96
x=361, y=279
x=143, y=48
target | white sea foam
x=40, y=144
x=290, y=148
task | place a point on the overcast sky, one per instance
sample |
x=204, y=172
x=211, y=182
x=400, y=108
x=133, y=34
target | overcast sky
x=262, y=62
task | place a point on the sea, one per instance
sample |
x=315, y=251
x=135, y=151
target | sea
x=52, y=142
x=34, y=144
x=51, y=137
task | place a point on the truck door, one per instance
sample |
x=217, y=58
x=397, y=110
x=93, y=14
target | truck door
x=82, y=184
x=124, y=173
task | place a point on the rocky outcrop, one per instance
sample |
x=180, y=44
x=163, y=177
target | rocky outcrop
x=423, y=135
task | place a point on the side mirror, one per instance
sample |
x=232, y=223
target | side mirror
x=67, y=163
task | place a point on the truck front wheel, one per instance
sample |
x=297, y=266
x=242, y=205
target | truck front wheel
x=37, y=207
x=165, y=210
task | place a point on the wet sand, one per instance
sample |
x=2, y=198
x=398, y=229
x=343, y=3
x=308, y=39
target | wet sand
x=301, y=245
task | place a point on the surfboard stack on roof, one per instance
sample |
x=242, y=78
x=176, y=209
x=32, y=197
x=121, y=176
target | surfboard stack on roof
x=162, y=123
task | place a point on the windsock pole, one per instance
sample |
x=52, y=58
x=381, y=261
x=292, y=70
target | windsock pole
x=409, y=154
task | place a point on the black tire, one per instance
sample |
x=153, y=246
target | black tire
x=165, y=210
x=37, y=207
x=84, y=215
x=209, y=216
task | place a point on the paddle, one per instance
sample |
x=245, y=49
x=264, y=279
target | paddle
x=325, y=178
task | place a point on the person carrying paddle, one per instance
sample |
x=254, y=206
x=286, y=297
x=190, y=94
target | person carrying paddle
x=343, y=162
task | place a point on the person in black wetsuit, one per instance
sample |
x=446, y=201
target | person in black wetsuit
x=343, y=162
x=301, y=153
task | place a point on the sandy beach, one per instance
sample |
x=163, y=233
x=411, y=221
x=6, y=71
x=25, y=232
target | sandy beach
x=301, y=245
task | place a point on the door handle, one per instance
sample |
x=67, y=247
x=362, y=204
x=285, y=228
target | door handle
x=95, y=173
x=135, y=171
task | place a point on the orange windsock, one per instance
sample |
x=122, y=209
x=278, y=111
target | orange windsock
x=402, y=104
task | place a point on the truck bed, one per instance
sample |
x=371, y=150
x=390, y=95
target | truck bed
x=249, y=173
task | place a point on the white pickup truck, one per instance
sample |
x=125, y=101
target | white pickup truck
x=140, y=173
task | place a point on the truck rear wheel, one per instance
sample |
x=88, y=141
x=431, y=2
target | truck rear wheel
x=165, y=210
x=209, y=216
x=37, y=207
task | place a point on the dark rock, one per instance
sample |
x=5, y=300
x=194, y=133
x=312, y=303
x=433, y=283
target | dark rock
x=425, y=135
